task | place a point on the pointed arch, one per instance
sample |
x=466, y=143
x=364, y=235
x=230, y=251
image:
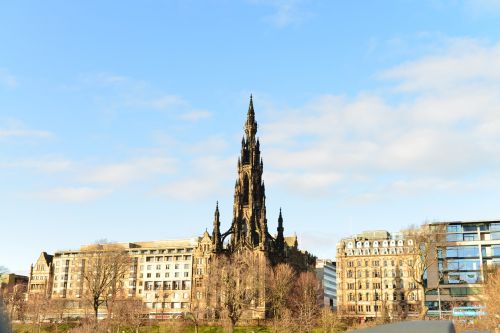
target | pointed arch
x=246, y=189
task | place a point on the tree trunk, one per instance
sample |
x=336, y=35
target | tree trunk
x=423, y=310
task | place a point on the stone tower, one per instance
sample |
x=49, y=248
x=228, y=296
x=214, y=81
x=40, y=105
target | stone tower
x=249, y=226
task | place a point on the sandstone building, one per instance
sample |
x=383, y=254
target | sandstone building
x=374, y=278
x=168, y=275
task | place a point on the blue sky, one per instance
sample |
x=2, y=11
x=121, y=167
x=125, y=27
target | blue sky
x=122, y=120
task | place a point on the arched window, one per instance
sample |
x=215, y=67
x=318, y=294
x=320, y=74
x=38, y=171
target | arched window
x=246, y=190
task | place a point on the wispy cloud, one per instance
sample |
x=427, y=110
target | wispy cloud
x=196, y=115
x=19, y=132
x=42, y=164
x=133, y=170
x=209, y=175
x=74, y=194
x=286, y=12
x=440, y=121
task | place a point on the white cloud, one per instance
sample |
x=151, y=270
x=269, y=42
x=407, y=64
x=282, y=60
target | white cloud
x=446, y=129
x=18, y=132
x=210, y=175
x=196, y=115
x=190, y=189
x=125, y=172
x=165, y=102
x=74, y=194
x=43, y=164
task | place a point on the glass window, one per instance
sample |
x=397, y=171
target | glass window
x=495, y=235
x=453, y=237
x=484, y=227
x=462, y=251
x=470, y=237
x=470, y=228
x=454, y=228
x=495, y=250
x=463, y=265
x=495, y=226
x=464, y=277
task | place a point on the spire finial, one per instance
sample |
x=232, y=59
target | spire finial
x=250, y=106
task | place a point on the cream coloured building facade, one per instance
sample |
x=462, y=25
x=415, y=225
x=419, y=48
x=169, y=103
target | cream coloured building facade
x=160, y=273
x=373, y=276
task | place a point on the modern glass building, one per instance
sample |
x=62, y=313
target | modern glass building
x=326, y=272
x=465, y=251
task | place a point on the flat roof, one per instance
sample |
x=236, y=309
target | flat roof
x=463, y=222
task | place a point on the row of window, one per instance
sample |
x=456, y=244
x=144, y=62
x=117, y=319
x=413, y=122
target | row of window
x=166, y=258
x=164, y=285
x=376, y=251
x=159, y=267
x=385, y=243
x=161, y=251
x=494, y=226
x=376, y=263
x=386, y=273
x=378, y=285
x=351, y=297
x=159, y=275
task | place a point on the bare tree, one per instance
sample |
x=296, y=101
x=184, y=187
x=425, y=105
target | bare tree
x=235, y=284
x=280, y=281
x=490, y=299
x=37, y=308
x=423, y=255
x=305, y=301
x=328, y=320
x=105, y=268
x=14, y=300
x=129, y=311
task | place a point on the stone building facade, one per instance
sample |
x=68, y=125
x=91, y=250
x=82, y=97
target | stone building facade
x=374, y=278
x=41, y=275
x=160, y=273
x=169, y=275
x=249, y=227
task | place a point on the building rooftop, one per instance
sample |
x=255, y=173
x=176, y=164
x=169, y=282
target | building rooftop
x=463, y=222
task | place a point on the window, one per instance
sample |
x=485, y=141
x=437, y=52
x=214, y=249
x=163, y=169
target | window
x=186, y=266
x=470, y=237
x=462, y=251
x=148, y=275
x=158, y=266
x=186, y=274
x=454, y=228
x=157, y=275
x=149, y=267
